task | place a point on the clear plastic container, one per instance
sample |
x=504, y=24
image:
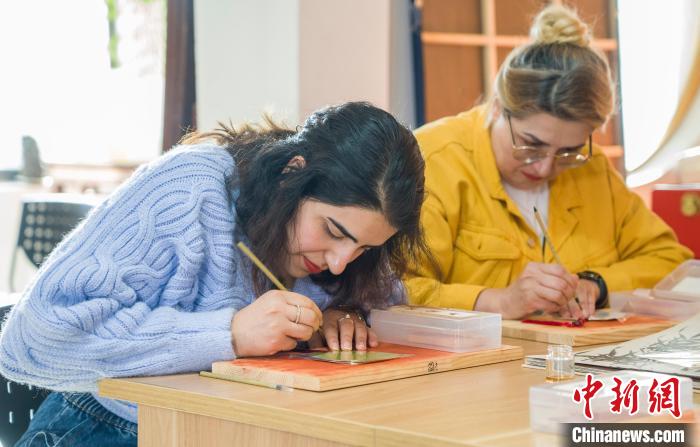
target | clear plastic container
x=553, y=403
x=642, y=302
x=438, y=328
x=682, y=284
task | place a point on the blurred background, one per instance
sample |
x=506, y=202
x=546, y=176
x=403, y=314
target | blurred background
x=93, y=88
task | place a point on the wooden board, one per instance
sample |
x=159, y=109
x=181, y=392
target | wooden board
x=314, y=375
x=592, y=333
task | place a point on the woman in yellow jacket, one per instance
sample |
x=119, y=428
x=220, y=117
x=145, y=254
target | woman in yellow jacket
x=530, y=146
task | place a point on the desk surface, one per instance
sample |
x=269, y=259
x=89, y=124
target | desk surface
x=486, y=405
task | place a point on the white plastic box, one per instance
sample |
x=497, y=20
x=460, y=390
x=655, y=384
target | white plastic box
x=682, y=284
x=438, y=328
x=676, y=297
x=552, y=404
x=641, y=301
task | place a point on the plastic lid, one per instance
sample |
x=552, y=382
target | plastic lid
x=682, y=284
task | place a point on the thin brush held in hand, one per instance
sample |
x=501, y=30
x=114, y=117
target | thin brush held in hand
x=244, y=248
x=548, y=241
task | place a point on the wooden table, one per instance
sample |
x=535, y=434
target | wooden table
x=486, y=405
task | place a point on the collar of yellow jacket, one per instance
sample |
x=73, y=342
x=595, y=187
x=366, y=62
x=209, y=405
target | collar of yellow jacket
x=563, y=190
x=564, y=194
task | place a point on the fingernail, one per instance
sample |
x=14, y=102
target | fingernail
x=362, y=347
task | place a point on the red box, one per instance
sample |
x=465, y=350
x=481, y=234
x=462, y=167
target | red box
x=679, y=207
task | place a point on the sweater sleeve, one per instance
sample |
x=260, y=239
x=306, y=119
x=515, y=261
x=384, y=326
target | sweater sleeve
x=143, y=286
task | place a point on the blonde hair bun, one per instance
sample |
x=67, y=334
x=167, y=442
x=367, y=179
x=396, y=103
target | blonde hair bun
x=559, y=24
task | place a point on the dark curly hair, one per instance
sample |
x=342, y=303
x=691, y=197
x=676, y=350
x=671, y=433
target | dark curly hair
x=355, y=155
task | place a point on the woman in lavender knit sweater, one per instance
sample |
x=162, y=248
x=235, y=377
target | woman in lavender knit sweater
x=151, y=282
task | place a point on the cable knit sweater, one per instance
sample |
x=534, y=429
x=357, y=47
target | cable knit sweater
x=146, y=285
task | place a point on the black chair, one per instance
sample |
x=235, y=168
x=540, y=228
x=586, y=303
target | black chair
x=45, y=220
x=17, y=404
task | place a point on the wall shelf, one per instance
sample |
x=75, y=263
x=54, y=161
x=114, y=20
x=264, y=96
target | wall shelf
x=465, y=42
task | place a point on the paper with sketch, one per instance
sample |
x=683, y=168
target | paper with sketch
x=675, y=350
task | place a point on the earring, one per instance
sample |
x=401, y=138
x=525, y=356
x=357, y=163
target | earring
x=297, y=162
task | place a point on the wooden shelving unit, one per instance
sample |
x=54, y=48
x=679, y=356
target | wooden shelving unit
x=465, y=42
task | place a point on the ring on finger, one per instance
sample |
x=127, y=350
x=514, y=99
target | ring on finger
x=346, y=317
x=359, y=316
x=296, y=320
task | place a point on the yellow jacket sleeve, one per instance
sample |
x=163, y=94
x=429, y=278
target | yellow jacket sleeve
x=440, y=221
x=480, y=239
x=647, y=247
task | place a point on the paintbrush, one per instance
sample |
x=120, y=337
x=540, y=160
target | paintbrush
x=271, y=276
x=543, y=227
x=244, y=248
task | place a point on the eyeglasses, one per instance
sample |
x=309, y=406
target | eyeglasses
x=569, y=159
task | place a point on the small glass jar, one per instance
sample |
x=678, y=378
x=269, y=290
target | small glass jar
x=560, y=363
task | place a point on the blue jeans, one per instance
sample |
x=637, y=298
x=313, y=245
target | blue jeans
x=76, y=419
